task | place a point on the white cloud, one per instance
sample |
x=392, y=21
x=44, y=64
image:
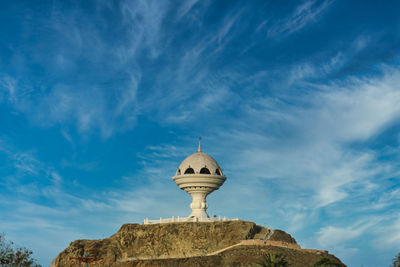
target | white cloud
x=227, y=25
x=387, y=234
x=361, y=42
x=357, y=109
x=305, y=142
x=145, y=19
x=23, y=161
x=303, y=15
x=67, y=136
x=386, y=199
x=88, y=109
x=8, y=87
x=57, y=179
x=332, y=236
x=186, y=7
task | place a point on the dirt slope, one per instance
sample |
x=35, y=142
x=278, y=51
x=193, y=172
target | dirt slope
x=181, y=244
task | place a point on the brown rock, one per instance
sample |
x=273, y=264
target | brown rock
x=185, y=244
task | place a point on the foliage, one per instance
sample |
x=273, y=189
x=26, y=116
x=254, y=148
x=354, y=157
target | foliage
x=11, y=256
x=327, y=262
x=396, y=261
x=273, y=260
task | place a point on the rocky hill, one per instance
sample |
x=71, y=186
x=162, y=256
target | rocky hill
x=230, y=243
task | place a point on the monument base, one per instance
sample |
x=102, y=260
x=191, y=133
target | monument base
x=188, y=219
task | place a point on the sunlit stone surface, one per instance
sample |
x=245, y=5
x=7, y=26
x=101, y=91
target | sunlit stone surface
x=199, y=175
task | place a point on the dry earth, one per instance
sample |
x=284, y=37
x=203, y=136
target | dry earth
x=189, y=244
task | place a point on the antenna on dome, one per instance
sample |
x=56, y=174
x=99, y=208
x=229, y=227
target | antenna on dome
x=199, y=149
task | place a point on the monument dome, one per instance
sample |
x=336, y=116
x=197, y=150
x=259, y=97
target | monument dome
x=199, y=162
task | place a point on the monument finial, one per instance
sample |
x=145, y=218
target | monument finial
x=199, y=149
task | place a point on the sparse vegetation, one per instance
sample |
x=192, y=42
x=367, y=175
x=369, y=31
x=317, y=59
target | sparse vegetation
x=273, y=260
x=327, y=262
x=11, y=256
x=396, y=261
x=189, y=244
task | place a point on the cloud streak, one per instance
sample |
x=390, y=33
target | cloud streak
x=303, y=15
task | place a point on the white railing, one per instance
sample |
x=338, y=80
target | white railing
x=188, y=219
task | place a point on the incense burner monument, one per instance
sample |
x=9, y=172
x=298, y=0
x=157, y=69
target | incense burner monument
x=198, y=175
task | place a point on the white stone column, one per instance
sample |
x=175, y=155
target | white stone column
x=199, y=205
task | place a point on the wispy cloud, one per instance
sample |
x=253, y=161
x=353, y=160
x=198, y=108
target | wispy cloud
x=145, y=19
x=386, y=199
x=8, y=88
x=388, y=234
x=87, y=109
x=303, y=15
x=330, y=236
x=227, y=25
x=309, y=160
x=23, y=162
x=186, y=7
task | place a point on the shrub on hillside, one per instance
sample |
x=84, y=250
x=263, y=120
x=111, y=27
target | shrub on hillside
x=11, y=256
x=327, y=262
x=273, y=260
x=396, y=261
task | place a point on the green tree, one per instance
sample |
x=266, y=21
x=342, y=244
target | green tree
x=273, y=260
x=11, y=256
x=327, y=262
x=396, y=261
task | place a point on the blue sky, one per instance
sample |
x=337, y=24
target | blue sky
x=299, y=102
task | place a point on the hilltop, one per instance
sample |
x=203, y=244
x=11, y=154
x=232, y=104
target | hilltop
x=230, y=243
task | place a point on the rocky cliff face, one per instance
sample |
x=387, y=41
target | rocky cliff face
x=177, y=244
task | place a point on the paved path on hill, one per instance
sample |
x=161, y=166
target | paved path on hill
x=267, y=236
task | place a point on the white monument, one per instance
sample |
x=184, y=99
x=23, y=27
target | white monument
x=199, y=175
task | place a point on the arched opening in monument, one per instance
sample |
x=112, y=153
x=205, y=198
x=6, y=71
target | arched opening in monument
x=178, y=172
x=218, y=172
x=205, y=171
x=189, y=171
